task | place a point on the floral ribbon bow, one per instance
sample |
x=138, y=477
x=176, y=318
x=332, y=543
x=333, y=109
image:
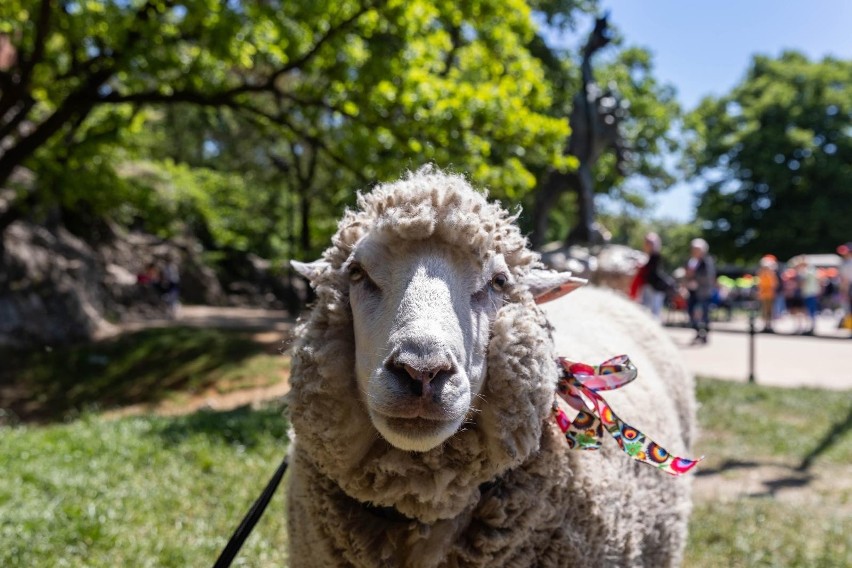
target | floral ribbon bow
x=580, y=383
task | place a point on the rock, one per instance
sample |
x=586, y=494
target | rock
x=50, y=287
x=57, y=288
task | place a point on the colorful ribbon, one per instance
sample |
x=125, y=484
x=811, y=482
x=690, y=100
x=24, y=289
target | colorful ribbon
x=586, y=430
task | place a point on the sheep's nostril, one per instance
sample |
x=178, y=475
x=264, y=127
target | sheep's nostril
x=420, y=381
x=420, y=376
x=405, y=379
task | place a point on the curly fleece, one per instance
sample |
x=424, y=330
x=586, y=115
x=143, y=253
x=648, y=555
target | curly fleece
x=504, y=490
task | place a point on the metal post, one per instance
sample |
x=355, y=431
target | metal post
x=751, y=333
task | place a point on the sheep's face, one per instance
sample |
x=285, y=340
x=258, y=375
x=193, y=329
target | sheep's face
x=422, y=313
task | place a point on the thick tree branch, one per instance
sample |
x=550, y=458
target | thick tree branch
x=78, y=104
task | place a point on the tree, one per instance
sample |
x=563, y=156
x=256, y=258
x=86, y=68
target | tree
x=776, y=157
x=370, y=86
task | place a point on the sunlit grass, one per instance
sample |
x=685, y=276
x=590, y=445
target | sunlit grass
x=141, y=491
x=745, y=421
x=764, y=532
x=168, y=491
x=804, y=433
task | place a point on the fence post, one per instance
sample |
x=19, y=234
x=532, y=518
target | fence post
x=751, y=333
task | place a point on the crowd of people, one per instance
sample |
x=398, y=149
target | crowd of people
x=803, y=291
x=797, y=289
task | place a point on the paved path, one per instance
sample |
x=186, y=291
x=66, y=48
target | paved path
x=781, y=359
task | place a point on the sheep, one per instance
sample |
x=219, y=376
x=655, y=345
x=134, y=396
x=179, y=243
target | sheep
x=422, y=389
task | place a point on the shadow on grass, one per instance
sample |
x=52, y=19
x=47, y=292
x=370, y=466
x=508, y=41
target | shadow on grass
x=832, y=437
x=141, y=367
x=794, y=479
x=244, y=426
x=727, y=465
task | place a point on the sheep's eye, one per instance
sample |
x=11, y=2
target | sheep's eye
x=499, y=281
x=356, y=273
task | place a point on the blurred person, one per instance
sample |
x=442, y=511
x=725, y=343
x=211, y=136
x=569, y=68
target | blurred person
x=845, y=284
x=810, y=290
x=170, y=284
x=651, y=282
x=792, y=290
x=150, y=276
x=700, y=279
x=830, y=300
x=767, y=285
x=780, y=305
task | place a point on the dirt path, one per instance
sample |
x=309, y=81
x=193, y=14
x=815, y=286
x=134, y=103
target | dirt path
x=209, y=400
x=250, y=319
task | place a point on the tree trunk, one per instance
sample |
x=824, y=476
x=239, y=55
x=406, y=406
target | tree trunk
x=546, y=197
x=305, y=210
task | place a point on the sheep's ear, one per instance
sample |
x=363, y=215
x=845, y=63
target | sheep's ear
x=310, y=270
x=547, y=285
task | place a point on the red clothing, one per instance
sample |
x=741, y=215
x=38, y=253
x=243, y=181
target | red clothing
x=639, y=280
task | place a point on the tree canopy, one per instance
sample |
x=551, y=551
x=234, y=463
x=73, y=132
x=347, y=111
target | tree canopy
x=361, y=88
x=252, y=122
x=776, y=156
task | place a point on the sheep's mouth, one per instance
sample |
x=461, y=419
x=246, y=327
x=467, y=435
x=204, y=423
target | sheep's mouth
x=417, y=426
x=410, y=408
x=417, y=433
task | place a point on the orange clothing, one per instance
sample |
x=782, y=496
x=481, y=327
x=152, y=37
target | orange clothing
x=767, y=282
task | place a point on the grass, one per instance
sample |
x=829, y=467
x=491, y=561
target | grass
x=158, y=491
x=142, y=491
x=794, y=426
x=801, y=516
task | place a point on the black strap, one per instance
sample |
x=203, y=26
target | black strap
x=251, y=518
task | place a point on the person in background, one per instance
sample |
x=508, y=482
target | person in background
x=845, y=285
x=810, y=289
x=780, y=307
x=792, y=286
x=171, y=287
x=700, y=280
x=767, y=284
x=651, y=281
x=150, y=276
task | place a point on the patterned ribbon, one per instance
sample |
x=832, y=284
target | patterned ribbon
x=580, y=383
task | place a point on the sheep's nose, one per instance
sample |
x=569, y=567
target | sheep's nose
x=421, y=378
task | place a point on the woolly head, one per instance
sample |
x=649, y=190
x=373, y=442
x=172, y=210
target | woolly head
x=414, y=298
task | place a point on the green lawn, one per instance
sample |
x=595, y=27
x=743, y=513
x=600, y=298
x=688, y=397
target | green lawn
x=156, y=491
x=805, y=437
x=142, y=491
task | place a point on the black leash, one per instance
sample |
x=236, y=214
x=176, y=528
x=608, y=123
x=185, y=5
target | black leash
x=244, y=530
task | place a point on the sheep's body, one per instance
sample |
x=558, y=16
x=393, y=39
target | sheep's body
x=504, y=490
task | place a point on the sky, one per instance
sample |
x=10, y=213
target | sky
x=704, y=48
